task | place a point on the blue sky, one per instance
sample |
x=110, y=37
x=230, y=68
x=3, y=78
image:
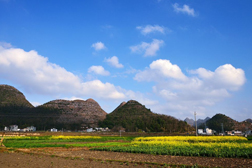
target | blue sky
x=175, y=57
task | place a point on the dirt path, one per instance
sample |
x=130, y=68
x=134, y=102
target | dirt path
x=130, y=157
x=82, y=157
x=21, y=160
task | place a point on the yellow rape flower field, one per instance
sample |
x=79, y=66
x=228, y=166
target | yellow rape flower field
x=193, y=138
x=208, y=146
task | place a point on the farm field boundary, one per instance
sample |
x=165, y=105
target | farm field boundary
x=85, y=147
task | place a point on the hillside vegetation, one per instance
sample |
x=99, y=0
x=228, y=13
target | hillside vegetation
x=10, y=96
x=133, y=116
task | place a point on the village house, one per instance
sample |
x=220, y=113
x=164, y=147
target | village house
x=6, y=129
x=236, y=132
x=54, y=130
x=207, y=131
x=28, y=129
x=14, y=128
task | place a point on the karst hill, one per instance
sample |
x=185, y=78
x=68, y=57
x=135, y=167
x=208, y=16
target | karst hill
x=10, y=96
x=85, y=113
x=133, y=116
x=72, y=115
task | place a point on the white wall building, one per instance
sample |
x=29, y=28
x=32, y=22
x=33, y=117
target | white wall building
x=200, y=131
x=209, y=131
x=31, y=128
x=6, y=129
x=14, y=128
x=54, y=130
x=90, y=130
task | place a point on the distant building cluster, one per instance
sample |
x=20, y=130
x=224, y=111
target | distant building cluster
x=234, y=132
x=208, y=131
x=97, y=129
x=16, y=129
x=86, y=129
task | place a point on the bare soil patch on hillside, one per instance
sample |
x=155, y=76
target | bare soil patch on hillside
x=82, y=157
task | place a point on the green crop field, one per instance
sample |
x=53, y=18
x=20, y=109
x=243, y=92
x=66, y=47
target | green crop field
x=208, y=146
x=64, y=141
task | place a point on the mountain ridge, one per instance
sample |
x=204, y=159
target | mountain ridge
x=199, y=121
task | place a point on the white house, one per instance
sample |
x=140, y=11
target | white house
x=90, y=130
x=6, y=129
x=209, y=131
x=200, y=131
x=236, y=132
x=14, y=128
x=31, y=128
x=54, y=130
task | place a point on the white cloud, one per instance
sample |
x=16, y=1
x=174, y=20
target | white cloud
x=98, y=46
x=114, y=62
x=229, y=77
x=160, y=69
x=149, y=49
x=151, y=29
x=73, y=98
x=141, y=98
x=35, y=104
x=188, y=93
x=185, y=9
x=102, y=90
x=225, y=76
x=202, y=72
x=98, y=70
x=5, y=45
x=36, y=75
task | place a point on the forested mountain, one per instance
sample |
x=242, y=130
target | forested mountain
x=216, y=122
x=229, y=124
x=133, y=116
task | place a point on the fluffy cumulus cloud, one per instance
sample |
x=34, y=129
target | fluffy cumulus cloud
x=37, y=75
x=98, y=70
x=98, y=46
x=149, y=49
x=185, y=9
x=195, y=91
x=151, y=29
x=114, y=61
x=225, y=76
x=159, y=70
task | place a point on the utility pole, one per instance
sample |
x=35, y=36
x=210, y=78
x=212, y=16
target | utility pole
x=222, y=128
x=196, y=123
